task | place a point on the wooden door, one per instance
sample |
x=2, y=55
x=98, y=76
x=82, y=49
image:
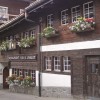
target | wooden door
x=5, y=75
x=93, y=76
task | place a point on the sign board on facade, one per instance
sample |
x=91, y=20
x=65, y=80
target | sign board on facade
x=23, y=58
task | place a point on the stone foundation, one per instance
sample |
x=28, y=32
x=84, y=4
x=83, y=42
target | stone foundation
x=58, y=92
x=24, y=90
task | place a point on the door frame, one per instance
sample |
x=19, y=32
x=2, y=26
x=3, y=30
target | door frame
x=4, y=70
x=86, y=72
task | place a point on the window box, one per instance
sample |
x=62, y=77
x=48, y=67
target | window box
x=4, y=46
x=27, y=42
x=50, y=32
x=83, y=25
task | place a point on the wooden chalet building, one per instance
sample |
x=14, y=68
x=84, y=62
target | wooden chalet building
x=64, y=58
x=9, y=9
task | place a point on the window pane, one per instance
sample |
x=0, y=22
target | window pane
x=75, y=13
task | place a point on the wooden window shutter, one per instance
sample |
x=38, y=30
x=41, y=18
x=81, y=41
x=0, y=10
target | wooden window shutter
x=61, y=63
x=52, y=63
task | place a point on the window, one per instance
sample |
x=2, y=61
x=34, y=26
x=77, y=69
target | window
x=64, y=17
x=4, y=13
x=32, y=33
x=88, y=10
x=14, y=71
x=48, y=63
x=24, y=73
x=94, y=68
x=50, y=20
x=75, y=11
x=26, y=34
x=56, y=63
x=66, y=64
x=32, y=74
x=20, y=72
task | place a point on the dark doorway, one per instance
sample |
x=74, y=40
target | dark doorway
x=93, y=76
x=5, y=75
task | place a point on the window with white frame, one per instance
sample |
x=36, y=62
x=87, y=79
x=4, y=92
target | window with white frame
x=25, y=73
x=48, y=63
x=32, y=33
x=26, y=34
x=4, y=13
x=66, y=64
x=20, y=72
x=50, y=20
x=64, y=17
x=76, y=13
x=15, y=71
x=32, y=74
x=57, y=64
x=88, y=10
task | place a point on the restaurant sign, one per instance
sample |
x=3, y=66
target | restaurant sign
x=23, y=58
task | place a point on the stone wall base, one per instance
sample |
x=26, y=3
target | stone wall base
x=58, y=92
x=24, y=90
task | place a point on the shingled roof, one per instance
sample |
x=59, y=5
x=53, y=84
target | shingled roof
x=33, y=6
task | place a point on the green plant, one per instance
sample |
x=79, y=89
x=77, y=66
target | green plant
x=26, y=42
x=27, y=81
x=83, y=24
x=48, y=32
x=4, y=45
x=10, y=79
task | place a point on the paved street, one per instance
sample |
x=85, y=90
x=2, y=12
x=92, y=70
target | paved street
x=6, y=95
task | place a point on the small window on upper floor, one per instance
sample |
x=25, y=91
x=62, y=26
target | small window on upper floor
x=64, y=17
x=88, y=10
x=50, y=20
x=26, y=34
x=4, y=14
x=76, y=13
x=32, y=33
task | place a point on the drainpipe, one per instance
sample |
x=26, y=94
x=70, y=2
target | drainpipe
x=39, y=55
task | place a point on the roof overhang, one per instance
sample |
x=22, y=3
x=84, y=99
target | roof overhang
x=31, y=8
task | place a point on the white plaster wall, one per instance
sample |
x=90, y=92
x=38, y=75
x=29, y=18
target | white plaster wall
x=1, y=72
x=72, y=46
x=1, y=78
x=37, y=82
x=10, y=72
x=56, y=80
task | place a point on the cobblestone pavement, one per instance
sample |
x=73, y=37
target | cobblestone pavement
x=6, y=95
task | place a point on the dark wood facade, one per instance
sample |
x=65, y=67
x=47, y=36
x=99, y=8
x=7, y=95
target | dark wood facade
x=84, y=79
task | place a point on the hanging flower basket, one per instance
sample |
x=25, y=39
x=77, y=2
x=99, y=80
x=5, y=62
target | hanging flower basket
x=27, y=42
x=49, y=32
x=4, y=46
x=83, y=25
